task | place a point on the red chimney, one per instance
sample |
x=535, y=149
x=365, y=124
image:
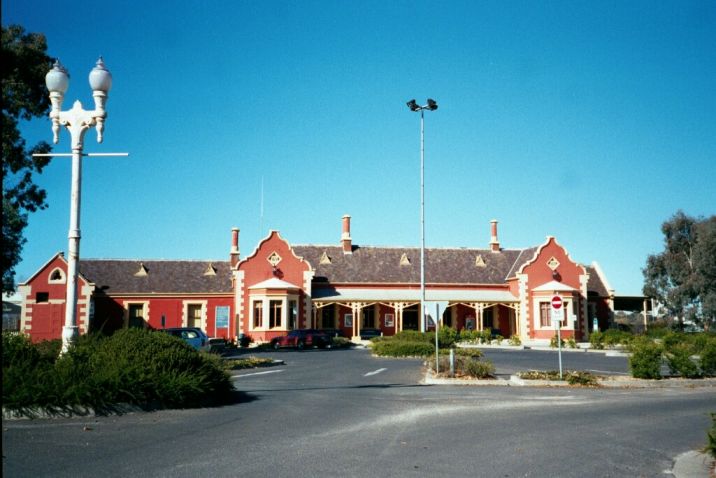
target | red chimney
x=494, y=243
x=346, y=236
x=234, y=254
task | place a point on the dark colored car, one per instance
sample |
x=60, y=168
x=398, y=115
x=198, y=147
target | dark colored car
x=333, y=332
x=367, y=334
x=302, y=338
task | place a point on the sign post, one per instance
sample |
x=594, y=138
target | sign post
x=557, y=315
x=440, y=307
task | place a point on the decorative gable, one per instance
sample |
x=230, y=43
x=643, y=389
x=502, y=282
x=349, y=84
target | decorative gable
x=324, y=258
x=553, y=263
x=404, y=261
x=142, y=272
x=479, y=261
x=210, y=270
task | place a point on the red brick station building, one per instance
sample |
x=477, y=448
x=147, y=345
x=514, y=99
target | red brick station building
x=282, y=286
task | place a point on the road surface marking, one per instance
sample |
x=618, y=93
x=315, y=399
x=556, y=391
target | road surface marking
x=375, y=372
x=607, y=372
x=258, y=373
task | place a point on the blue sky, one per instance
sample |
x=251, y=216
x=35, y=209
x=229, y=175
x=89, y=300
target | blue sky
x=593, y=122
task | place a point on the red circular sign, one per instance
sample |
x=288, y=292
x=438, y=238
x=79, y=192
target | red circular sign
x=556, y=302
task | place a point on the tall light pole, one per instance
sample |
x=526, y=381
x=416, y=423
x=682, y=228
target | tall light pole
x=430, y=106
x=77, y=121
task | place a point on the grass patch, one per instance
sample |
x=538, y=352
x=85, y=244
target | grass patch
x=246, y=362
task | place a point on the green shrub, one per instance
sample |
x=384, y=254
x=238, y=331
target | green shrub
x=515, y=340
x=246, y=362
x=679, y=360
x=414, y=336
x=499, y=338
x=478, y=369
x=596, y=339
x=583, y=378
x=475, y=353
x=132, y=366
x=447, y=336
x=402, y=348
x=465, y=367
x=470, y=336
x=553, y=342
x=486, y=336
x=571, y=343
x=340, y=342
x=614, y=337
x=708, y=359
x=645, y=360
x=711, y=435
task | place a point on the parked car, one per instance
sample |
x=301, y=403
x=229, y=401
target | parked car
x=333, y=332
x=367, y=334
x=192, y=336
x=302, y=338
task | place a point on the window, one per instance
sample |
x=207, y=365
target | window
x=258, y=314
x=135, y=315
x=545, y=314
x=193, y=315
x=57, y=276
x=292, y=314
x=41, y=297
x=275, y=310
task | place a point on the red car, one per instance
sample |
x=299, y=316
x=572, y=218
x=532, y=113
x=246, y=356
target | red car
x=301, y=339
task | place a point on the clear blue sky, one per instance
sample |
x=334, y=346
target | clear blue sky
x=590, y=121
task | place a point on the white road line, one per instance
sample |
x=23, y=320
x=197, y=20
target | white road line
x=375, y=372
x=258, y=373
x=607, y=372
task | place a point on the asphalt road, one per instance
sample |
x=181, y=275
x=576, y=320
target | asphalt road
x=346, y=413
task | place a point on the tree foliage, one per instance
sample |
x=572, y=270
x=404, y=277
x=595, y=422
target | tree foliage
x=683, y=276
x=25, y=63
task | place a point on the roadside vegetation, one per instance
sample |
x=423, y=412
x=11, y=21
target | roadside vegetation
x=572, y=377
x=133, y=366
x=410, y=343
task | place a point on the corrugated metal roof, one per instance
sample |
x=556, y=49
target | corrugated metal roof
x=405, y=294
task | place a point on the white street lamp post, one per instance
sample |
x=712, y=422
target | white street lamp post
x=430, y=106
x=77, y=121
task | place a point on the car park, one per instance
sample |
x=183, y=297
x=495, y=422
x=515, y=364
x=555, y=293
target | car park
x=302, y=338
x=193, y=336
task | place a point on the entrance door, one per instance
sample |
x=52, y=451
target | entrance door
x=410, y=318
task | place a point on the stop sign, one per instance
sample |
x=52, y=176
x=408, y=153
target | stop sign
x=556, y=302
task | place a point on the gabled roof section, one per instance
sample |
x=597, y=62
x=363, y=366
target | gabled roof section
x=274, y=283
x=378, y=265
x=597, y=283
x=163, y=277
x=291, y=248
x=538, y=251
x=61, y=256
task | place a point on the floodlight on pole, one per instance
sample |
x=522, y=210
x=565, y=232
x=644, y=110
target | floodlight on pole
x=430, y=106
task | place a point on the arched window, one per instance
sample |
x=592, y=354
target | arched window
x=57, y=276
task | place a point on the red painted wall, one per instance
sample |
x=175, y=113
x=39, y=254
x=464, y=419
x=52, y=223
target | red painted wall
x=46, y=320
x=257, y=269
x=539, y=273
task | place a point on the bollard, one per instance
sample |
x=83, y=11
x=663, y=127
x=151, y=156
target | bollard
x=452, y=362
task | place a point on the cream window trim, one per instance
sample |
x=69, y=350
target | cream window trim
x=145, y=310
x=567, y=304
x=265, y=300
x=62, y=279
x=185, y=313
